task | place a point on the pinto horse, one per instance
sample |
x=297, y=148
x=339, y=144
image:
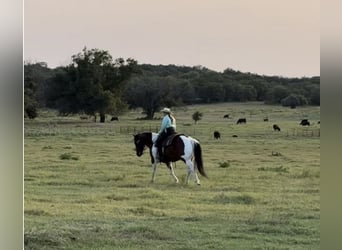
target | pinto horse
x=182, y=148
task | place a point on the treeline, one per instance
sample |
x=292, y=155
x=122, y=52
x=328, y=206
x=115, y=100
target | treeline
x=94, y=83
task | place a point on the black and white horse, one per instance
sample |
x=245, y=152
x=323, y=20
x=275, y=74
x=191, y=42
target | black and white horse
x=182, y=148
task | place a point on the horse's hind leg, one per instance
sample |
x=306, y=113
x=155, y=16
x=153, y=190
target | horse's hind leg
x=169, y=165
x=191, y=171
x=154, y=169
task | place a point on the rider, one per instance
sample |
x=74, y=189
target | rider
x=168, y=127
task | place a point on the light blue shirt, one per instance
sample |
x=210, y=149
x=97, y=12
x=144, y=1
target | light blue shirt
x=166, y=123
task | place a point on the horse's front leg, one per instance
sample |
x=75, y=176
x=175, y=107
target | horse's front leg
x=154, y=163
x=169, y=165
x=154, y=170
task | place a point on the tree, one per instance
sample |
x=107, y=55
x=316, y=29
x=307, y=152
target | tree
x=184, y=91
x=314, y=95
x=35, y=77
x=276, y=94
x=211, y=92
x=294, y=101
x=261, y=88
x=30, y=95
x=93, y=83
x=197, y=116
x=149, y=93
x=245, y=93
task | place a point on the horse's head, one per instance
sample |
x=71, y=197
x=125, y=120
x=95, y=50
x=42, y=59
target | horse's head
x=139, y=144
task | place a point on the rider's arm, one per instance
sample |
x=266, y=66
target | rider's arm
x=165, y=124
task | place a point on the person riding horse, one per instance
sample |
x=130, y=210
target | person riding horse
x=168, y=127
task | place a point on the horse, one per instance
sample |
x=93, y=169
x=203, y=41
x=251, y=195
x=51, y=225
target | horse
x=182, y=147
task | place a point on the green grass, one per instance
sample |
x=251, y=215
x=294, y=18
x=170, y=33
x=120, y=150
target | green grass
x=85, y=188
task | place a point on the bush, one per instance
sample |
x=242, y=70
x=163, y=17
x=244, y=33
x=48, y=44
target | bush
x=31, y=111
x=224, y=164
x=197, y=116
x=68, y=156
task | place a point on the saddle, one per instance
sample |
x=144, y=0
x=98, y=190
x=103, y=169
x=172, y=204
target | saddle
x=166, y=143
x=168, y=140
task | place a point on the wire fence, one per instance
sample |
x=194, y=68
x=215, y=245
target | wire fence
x=305, y=132
x=98, y=129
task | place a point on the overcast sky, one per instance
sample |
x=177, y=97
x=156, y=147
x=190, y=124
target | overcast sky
x=267, y=37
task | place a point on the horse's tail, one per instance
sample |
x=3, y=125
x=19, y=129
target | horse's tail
x=198, y=158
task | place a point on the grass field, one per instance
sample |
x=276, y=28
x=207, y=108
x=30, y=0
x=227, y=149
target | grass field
x=86, y=189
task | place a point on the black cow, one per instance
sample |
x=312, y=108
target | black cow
x=276, y=127
x=114, y=118
x=241, y=120
x=226, y=116
x=217, y=135
x=266, y=119
x=305, y=122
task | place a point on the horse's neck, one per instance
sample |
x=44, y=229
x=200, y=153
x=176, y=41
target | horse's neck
x=150, y=139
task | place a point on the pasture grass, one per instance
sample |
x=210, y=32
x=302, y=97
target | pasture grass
x=85, y=188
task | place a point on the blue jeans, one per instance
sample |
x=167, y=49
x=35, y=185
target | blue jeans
x=162, y=136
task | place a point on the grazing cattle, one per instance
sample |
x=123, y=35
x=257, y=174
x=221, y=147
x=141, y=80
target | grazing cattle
x=217, y=135
x=276, y=127
x=305, y=122
x=114, y=118
x=319, y=122
x=241, y=120
x=266, y=119
x=226, y=116
x=234, y=136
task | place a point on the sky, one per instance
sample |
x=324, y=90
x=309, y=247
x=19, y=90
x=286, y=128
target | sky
x=266, y=37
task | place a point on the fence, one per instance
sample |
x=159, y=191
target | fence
x=304, y=132
x=136, y=129
x=99, y=129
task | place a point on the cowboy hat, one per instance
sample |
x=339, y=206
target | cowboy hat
x=166, y=110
